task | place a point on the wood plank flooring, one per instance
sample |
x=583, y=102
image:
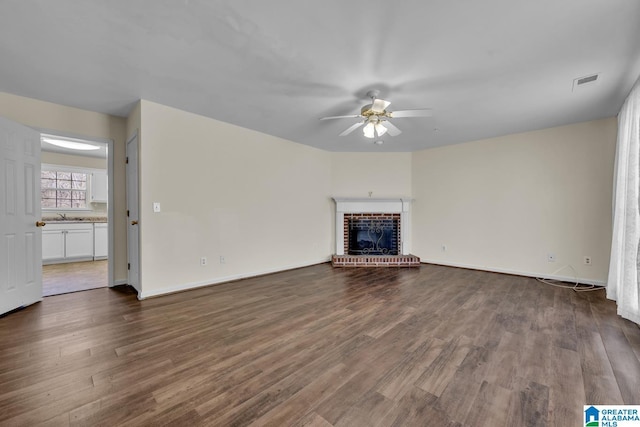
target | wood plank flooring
x=428, y=346
x=74, y=276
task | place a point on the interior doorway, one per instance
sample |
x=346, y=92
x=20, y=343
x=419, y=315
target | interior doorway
x=75, y=199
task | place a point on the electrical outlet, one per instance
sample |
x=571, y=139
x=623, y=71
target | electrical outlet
x=551, y=257
x=221, y=259
x=203, y=260
x=587, y=260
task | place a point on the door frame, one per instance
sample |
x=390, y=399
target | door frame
x=131, y=171
x=110, y=208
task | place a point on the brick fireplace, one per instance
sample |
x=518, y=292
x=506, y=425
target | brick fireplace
x=373, y=233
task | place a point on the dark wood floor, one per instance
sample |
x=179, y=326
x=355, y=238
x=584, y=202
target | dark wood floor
x=73, y=277
x=429, y=346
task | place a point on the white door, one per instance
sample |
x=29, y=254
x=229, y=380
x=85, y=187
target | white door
x=21, y=246
x=133, y=231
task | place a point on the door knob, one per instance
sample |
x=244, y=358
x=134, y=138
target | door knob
x=134, y=222
x=40, y=223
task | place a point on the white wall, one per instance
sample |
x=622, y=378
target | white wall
x=260, y=201
x=502, y=204
x=133, y=122
x=382, y=174
x=72, y=160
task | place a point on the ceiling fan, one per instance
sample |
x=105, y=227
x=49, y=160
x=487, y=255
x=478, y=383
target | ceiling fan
x=376, y=117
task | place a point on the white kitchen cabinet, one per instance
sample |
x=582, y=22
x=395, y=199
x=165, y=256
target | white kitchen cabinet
x=99, y=187
x=67, y=242
x=52, y=244
x=100, y=241
x=79, y=241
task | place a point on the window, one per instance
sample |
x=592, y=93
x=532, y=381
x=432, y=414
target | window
x=63, y=189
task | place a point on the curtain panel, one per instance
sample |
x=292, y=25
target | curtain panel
x=623, y=284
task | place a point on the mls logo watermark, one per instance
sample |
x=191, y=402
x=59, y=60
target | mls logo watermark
x=611, y=415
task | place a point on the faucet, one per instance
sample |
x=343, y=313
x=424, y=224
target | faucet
x=63, y=216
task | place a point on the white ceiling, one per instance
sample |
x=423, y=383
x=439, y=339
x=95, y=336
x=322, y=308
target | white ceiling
x=487, y=68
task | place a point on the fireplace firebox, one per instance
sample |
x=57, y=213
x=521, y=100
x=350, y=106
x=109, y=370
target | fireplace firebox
x=372, y=236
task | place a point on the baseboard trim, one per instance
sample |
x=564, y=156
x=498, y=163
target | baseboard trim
x=118, y=283
x=194, y=285
x=517, y=272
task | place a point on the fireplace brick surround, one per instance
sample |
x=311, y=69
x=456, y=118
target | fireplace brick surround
x=383, y=210
x=348, y=217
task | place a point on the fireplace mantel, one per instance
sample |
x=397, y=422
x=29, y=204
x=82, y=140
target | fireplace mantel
x=347, y=205
x=368, y=205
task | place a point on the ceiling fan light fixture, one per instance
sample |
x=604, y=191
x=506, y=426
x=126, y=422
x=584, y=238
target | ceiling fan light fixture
x=373, y=129
x=380, y=129
x=369, y=130
x=70, y=144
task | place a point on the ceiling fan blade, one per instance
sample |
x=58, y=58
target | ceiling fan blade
x=425, y=112
x=379, y=105
x=341, y=117
x=351, y=129
x=391, y=128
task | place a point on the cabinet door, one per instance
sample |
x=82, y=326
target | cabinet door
x=99, y=189
x=79, y=242
x=52, y=244
x=100, y=241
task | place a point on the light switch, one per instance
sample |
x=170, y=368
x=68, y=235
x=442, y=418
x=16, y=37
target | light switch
x=156, y=206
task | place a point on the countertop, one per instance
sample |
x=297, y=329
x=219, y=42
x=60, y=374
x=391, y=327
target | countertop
x=75, y=220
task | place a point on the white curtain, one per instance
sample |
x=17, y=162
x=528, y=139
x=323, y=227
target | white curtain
x=623, y=284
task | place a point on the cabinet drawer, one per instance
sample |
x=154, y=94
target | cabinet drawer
x=52, y=226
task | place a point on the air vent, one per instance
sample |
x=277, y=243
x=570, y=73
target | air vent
x=581, y=82
x=588, y=79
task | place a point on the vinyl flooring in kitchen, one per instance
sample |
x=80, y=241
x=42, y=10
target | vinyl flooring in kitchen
x=73, y=277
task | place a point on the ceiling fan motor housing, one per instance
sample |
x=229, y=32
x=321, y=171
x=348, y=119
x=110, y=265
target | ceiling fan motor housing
x=367, y=111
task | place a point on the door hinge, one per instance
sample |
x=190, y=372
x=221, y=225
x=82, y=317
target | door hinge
x=127, y=213
x=128, y=266
x=126, y=160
